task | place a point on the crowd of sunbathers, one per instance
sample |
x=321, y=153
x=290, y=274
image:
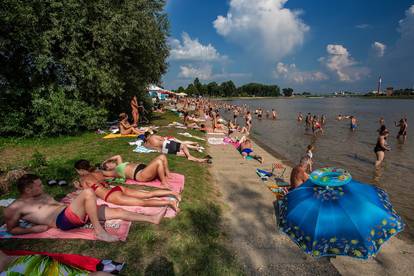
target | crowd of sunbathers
x=94, y=182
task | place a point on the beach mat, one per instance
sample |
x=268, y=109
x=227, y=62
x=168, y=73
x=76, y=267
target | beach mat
x=142, y=149
x=119, y=228
x=62, y=263
x=118, y=135
x=176, y=182
x=215, y=141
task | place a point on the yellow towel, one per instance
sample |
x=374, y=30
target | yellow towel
x=118, y=135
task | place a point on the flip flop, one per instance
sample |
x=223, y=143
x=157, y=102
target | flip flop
x=52, y=182
x=62, y=182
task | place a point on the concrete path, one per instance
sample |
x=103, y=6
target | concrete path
x=250, y=218
x=261, y=248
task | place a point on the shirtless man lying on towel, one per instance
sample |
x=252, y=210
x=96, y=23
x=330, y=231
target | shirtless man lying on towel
x=170, y=147
x=44, y=212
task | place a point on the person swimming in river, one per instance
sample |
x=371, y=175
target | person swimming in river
x=316, y=126
x=381, y=147
x=353, y=123
x=299, y=118
x=403, y=125
x=308, y=121
x=274, y=114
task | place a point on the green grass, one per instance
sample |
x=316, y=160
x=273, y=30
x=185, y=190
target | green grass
x=193, y=243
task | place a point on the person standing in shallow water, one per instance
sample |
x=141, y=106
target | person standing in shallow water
x=353, y=122
x=381, y=147
x=403, y=128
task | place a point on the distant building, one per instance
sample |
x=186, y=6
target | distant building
x=390, y=91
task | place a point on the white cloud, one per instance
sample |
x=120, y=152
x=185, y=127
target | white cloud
x=340, y=62
x=192, y=49
x=205, y=72
x=379, y=48
x=264, y=26
x=291, y=73
x=406, y=25
x=189, y=72
x=363, y=26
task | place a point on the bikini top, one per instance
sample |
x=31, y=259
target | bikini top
x=120, y=169
x=99, y=185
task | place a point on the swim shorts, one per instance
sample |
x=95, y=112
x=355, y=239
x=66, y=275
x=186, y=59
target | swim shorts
x=247, y=151
x=171, y=147
x=67, y=219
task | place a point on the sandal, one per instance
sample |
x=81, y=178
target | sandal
x=62, y=182
x=52, y=182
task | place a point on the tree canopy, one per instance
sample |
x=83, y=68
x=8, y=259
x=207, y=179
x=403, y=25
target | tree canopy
x=229, y=89
x=89, y=56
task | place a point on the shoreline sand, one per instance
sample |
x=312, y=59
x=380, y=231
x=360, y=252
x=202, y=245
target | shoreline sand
x=251, y=223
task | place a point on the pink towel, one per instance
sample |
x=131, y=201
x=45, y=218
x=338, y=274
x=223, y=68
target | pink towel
x=228, y=140
x=176, y=182
x=116, y=227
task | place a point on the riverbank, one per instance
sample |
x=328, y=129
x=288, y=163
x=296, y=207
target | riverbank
x=260, y=247
x=193, y=243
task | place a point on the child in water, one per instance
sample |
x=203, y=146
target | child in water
x=309, y=154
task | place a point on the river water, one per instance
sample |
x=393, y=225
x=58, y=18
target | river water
x=340, y=147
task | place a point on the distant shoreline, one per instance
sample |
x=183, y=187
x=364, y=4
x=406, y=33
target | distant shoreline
x=317, y=97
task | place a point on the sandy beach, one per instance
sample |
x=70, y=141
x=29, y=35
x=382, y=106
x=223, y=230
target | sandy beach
x=251, y=223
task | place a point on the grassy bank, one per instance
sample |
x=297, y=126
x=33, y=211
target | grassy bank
x=192, y=243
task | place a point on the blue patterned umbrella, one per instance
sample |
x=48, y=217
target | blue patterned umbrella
x=332, y=214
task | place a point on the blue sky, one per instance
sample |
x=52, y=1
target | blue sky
x=319, y=45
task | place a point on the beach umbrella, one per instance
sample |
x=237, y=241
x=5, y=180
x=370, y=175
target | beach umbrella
x=332, y=214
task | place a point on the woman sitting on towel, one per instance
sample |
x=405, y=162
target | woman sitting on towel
x=124, y=126
x=188, y=123
x=91, y=178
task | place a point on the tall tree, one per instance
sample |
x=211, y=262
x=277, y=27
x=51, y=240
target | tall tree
x=287, y=92
x=98, y=53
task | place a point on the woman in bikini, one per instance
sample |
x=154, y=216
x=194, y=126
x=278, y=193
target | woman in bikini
x=381, y=145
x=157, y=168
x=94, y=179
x=124, y=126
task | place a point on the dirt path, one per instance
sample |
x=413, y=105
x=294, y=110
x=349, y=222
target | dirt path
x=261, y=248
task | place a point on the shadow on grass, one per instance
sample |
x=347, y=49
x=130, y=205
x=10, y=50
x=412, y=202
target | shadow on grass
x=160, y=266
x=202, y=251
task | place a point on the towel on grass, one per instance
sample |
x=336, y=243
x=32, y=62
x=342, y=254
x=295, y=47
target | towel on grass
x=118, y=135
x=58, y=264
x=186, y=134
x=215, y=141
x=176, y=182
x=116, y=227
x=6, y=202
x=142, y=149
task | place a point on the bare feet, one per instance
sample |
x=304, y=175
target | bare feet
x=104, y=236
x=156, y=219
x=174, y=205
x=177, y=196
x=165, y=186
